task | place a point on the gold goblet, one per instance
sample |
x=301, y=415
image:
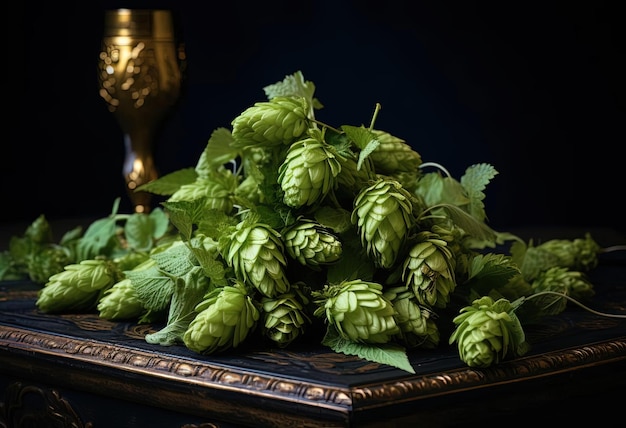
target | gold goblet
x=140, y=77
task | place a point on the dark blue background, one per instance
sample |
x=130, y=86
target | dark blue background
x=536, y=89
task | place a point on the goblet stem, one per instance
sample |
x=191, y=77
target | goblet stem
x=139, y=167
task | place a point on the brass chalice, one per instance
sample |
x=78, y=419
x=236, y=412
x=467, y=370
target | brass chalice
x=139, y=71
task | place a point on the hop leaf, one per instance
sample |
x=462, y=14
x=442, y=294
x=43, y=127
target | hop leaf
x=358, y=310
x=224, y=320
x=308, y=172
x=217, y=189
x=271, y=123
x=487, y=332
x=383, y=215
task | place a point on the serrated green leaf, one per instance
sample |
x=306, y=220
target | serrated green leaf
x=184, y=214
x=477, y=229
x=98, y=236
x=474, y=181
x=189, y=290
x=153, y=287
x=490, y=271
x=389, y=353
x=218, y=151
x=176, y=259
x=337, y=219
x=293, y=85
x=168, y=184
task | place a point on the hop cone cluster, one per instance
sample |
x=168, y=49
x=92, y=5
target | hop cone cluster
x=429, y=270
x=224, y=320
x=383, y=215
x=487, y=332
x=270, y=123
x=418, y=328
x=308, y=172
x=256, y=254
x=311, y=244
x=358, y=310
x=285, y=318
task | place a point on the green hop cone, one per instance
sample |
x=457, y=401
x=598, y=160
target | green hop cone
x=285, y=318
x=120, y=302
x=256, y=254
x=271, y=123
x=78, y=287
x=358, y=310
x=311, y=244
x=418, y=328
x=47, y=261
x=429, y=270
x=383, y=215
x=487, y=332
x=565, y=282
x=224, y=319
x=393, y=155
x=59, y=296
x=308, y=172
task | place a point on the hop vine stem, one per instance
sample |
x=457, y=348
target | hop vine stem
x=576, y=302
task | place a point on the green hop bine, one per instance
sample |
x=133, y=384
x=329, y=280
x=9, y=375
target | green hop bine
x=358, y=310
x=308, y=172
x=487, y=332
x=224, y=319
x=285, y=318
x=383, y=213
x=418, y=328
x=311, y=244
x=78, y=287
x=271, y=123
x=429, y=270
x=256, y=254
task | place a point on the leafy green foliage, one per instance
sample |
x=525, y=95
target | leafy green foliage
x=236, y=231
x=389, y=354
x=168, y=184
